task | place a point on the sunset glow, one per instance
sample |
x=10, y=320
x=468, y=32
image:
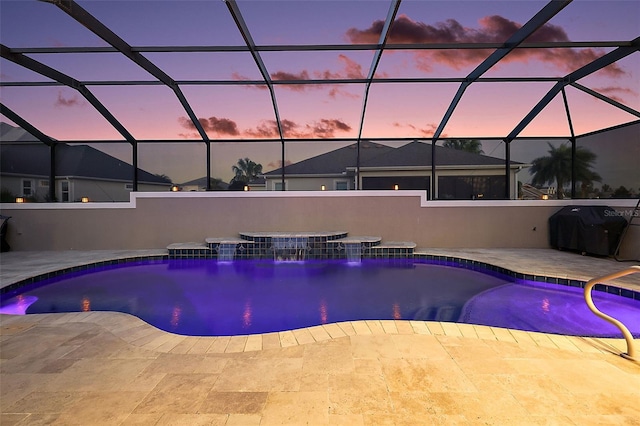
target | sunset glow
x=238, y=105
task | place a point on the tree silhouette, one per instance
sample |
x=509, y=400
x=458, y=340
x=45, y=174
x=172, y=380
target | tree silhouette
x=556, y=167
x=473, y=146
x=245, y=171
x=621, y=192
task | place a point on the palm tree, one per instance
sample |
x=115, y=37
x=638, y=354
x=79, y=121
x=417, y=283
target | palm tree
x=473, y=146
x=246, y=170
x=556, y=167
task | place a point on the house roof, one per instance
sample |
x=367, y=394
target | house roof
x=12, y=133
x=414, y=154
x=418, y=154
x=202, y=183
x=334, y=162
x=80, y=161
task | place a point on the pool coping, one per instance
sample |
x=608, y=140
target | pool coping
x=143, y=335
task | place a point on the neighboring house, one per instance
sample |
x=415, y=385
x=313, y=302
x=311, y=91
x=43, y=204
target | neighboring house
x=81, y=171
x=334, y=169
x=529, y=192
x=200, y=185
x=460, y=174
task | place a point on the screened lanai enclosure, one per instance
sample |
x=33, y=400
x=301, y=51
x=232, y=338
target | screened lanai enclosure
x=461, y=99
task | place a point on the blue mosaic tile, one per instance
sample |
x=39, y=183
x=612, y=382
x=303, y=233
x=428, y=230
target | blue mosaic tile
x=613, y=290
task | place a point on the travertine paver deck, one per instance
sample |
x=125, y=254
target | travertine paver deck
x=112, y=368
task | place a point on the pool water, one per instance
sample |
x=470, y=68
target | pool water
x=210, y=298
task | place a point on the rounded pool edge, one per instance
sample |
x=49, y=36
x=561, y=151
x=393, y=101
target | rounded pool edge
x=453, y=261
x=151, y=338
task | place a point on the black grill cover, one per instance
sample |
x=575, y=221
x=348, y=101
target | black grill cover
x=588, y=229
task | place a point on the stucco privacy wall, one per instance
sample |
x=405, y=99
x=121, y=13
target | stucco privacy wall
x=154, y=220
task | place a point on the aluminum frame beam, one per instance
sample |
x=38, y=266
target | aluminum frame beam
x=234, y=10
x=384, y=36
x=314, y=82
x=590, y=68
x=324, y=47
x=606, y=99
x=66, y=80
x=538, y=20
x=47, y=140
x=78, y=13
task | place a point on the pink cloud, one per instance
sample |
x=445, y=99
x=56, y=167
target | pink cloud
x=325, y=128
x=349, y=69
x=272, y=165
x=428, y=130
x=218, y=126
x=492, y=29
x=61, y=101
x=267, y=129
x=615, y=92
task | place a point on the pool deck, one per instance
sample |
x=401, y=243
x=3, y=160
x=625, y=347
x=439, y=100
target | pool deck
x=112, y=368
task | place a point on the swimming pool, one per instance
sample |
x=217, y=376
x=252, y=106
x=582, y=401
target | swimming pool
x=210, y=298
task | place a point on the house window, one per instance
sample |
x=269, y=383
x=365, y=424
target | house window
x=277, y=186
x=64, y=191
x=128, y=186
x=471, y=187
x=389, y=182
x=342, y=185
x=44, y=184
x=27, y=188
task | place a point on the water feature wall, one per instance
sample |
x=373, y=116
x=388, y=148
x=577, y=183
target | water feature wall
x=280, y=246
x=353, y=252
x=226, y=251
x=290, y=248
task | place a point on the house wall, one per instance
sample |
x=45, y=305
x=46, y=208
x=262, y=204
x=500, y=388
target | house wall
x=315, y=183
x=108, y=191
x=95, y=190
x=155, y=220
x=308, y=183
x=14, y=185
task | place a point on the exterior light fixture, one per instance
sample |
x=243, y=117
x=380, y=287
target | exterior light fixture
x=174, y=188
x=85, y=199
x=323, y=188
x=246, y=188
x=545, y=197
x=396, y=187
x=20, y=200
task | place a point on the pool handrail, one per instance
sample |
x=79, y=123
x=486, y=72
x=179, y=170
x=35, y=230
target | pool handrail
x=630, y=354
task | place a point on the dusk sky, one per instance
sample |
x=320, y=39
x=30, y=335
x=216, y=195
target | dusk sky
x=151, y=112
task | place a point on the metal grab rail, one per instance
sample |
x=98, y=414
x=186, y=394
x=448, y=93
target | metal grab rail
x=630, y=354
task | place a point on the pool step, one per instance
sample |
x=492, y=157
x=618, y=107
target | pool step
x=189, y=251
x=391, y=250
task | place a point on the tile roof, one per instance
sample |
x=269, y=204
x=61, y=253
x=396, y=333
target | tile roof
x=334, y=162
x=373, y=155
x=80, y=161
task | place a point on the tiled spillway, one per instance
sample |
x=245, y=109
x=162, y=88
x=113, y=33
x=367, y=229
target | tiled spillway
x=292, y=246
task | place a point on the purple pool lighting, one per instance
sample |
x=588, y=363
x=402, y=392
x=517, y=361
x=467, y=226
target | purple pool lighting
x=209, y=298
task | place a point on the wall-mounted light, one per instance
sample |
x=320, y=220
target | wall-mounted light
x=396, y=187
x=246, y=188
x=545, y=197
x=323, y=188
x=20, y=200
x=85, y=199
x=174, y=188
